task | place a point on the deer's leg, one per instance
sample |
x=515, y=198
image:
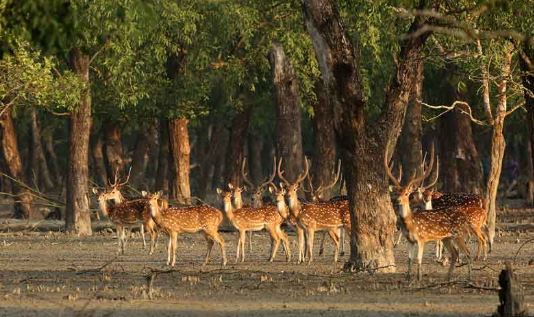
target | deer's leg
x=463, y=248
x=243, y=242
x=420, y=251
x=275, y=242
x=335, y=238
x=119, y=238
x=411, y=255
x=174, y=246
x=439, y=250
x=285, y=242
x=342, y=240
x=150, y=225
x=215, y=236
x=250, y=241
x=238, y=247
x=143, y=235
x=210, y=243
x=300, y=236
x=311, y=236
x=454, y=256
x=169, y=249
x=397, y=242
x=481, y=243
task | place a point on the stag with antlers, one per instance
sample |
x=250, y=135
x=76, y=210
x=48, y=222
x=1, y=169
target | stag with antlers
x=125, y=214
x=311, y=217
x=447, y=224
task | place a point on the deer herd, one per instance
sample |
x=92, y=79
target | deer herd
x=423, y=215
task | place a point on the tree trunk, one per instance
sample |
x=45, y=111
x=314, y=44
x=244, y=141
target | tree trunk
x=78, y=215
x=145, y=136
x=48, y=140
x=180, y=153
x=162, y=175
x=255, y=158
x=235, y=152
x=288, y=113
x=97, y=155
x=40, y=167
x=324, y=154
x=217, y=141
x=113, y=150
x=410, y=148
x=498, y=145
x=363, y=145
x=527, y=76
x=13, y=161
x=461, y=166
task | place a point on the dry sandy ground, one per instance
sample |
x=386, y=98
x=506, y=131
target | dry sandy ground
x=51, y=274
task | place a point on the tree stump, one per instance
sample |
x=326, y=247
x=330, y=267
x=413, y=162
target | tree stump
x=511, y=294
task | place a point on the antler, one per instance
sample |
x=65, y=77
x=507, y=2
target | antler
x=435, y=180
x=388, y=170
x=426, y=171
x=302, y=176
x=115, y=178
x=127, y=178
x=244, y=174
x=273, y=175
x=280, y=172
x=336, y=178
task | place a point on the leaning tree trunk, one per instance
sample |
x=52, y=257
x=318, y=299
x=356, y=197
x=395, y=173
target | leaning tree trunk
x=39, y=163
x=236, y=149
x=180, y=154
x=113, y=150
x=162, y=174
x=78, y=214
x=363, y=145
x=498, y=145
x=13, y=161
x=288, y=113
x=410, y=149
x=324, y=154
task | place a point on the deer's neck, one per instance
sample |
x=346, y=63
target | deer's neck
x=229, y=210
x=428, y=205
x=406, y=221
x=103, y=206
x=282, y=209
x=238, y=202
x=294, y=205
x=156, y=214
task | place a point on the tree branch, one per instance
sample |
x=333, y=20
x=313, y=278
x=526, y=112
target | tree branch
x=469, y=112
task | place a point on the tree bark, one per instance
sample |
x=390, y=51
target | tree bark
x=180, y=153
x=324, y=154
x=78, y=215
x=461, y=167
x=97, y=155
x=527, y=76
x=236, y=149
x=162, y=175
x=362, y=144
x=410, y=147
x=113, y=150
x=217, y=141
x=145, y=136
x=24, y=201
x=40, y=172
x=288, y=113
x=498, y=145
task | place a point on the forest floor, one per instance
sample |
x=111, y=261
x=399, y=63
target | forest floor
x=53, y=274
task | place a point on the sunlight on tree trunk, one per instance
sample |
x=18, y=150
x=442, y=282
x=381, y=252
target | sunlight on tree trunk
x=180, y=153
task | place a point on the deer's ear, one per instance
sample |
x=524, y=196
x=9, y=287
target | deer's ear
x=245, y=188
x=159, y=194
x=230, y=186
x=270, y=189
x=281, y=185
x=219, y=191
x=144, y=193
x=390, y=188
x=95, y=190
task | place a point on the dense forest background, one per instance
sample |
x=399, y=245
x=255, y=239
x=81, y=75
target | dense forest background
x=180, y=92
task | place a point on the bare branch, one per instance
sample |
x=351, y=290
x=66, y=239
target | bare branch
x=452, y=107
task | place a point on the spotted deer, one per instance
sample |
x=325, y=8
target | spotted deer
x=193, y=219
x=317, y=195
x=257, y=193
x=311, y=217
x=125, y=214
x=255, y=219
x=447, y=224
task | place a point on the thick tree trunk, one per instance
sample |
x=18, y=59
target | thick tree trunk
x=78, y=215
x=39, y=164
x=254, y=161
x=498, y=145
x=180, y=153
x=162, y=175
x=13, y=161
x=410, y=148
x=363, y=145
x=145, y=136
x=324, y=148
x=528, y=83
x=236, y=149
x=288, y=113
x=113, y=150
x=97, y=155
x=461, y=166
